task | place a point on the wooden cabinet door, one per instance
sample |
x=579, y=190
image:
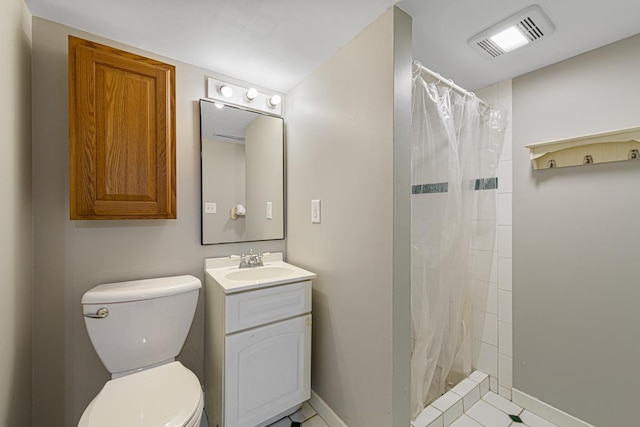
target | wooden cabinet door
x=122, y=147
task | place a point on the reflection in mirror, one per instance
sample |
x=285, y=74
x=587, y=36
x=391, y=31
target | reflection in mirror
x=242, y=156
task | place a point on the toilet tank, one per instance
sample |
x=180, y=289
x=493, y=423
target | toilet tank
x=147, y=321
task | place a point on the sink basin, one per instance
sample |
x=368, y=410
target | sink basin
x=258, y=273
x=225, y=272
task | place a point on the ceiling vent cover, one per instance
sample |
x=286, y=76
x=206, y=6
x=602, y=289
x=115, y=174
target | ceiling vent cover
x=532, y=24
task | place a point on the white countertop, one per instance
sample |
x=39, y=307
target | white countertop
x=219, y=268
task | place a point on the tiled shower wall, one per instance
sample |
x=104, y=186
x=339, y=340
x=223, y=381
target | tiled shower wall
x=492, y=324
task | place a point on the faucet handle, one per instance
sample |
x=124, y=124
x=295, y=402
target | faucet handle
x=243, y=261
x=258, y=259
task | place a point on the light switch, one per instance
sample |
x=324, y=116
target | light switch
x=269, y=210
x=315, y=211
x=210, y=208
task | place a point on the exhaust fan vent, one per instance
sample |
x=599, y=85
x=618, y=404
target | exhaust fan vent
x=528, y=26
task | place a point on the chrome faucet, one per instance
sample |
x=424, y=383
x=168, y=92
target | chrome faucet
x=243, y=261
x=251, y=260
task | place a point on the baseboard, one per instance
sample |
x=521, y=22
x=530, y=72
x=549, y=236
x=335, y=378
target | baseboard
x=546, y=411
x=325, y=412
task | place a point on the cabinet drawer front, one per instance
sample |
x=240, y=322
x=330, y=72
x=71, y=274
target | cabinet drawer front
x=249, y=309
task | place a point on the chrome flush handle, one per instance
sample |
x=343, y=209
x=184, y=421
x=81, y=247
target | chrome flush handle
x=100, y=314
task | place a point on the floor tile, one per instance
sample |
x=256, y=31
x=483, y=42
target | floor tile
x=446, y=401
x=503, y=404
x=534, y=420
x=488, y=415
x=465, y=421
x=427, y=417
x=470, y=392
x=478, y=376
x=315, y=421
x=451, y=406
x=285, y=422
x=482, y=379
x=303, y=414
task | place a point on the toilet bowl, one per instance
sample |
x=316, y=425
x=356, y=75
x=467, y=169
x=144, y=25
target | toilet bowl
x=167, y=396
x=137, y=329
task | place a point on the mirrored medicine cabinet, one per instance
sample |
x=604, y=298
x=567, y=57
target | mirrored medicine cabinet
x=242, y=174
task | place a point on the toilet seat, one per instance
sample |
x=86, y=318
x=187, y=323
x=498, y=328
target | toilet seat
x=167, y=395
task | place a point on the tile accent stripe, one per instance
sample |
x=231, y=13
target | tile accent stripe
x=440, y=187
x=443, y=187
x=486, y=184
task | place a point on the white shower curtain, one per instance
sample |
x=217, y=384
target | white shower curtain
x=456, y=143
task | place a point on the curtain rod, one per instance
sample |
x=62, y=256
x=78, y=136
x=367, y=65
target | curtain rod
x=448, y=82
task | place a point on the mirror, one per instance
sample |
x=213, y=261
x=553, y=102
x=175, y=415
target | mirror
x=242, y=160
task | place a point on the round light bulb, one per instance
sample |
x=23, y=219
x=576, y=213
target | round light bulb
x=218, y=104
x=251, y=94
x=226, y=91
x=275, y=100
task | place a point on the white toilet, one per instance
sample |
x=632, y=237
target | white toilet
x=137, y=329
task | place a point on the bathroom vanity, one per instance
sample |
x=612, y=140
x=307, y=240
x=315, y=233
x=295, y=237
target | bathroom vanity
x=257, y=341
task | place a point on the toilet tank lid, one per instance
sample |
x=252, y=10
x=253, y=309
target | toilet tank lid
x=137, y=290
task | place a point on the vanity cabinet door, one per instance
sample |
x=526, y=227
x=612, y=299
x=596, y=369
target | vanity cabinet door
x=267, y=371
x=122, y=147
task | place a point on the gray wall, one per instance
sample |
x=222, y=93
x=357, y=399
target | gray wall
x=16, y=249
x=224, y=184
x=341, y=149
x=265, y=173
x=576, y=241
x=73, y=256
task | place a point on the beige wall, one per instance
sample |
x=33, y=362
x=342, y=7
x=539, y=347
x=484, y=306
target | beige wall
x=73, y=256
x=341, y=150
x=224, y=184
x=575, y=241
x=265, y=173
x=16, y=249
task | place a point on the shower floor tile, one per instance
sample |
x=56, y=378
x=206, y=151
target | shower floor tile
x=306, y=416
x=493, y=411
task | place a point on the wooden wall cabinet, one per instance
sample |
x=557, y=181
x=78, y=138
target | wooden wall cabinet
x=122, y=142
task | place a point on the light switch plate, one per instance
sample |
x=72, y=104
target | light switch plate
x=210, y=208
x=315, y=211
x=269, y=210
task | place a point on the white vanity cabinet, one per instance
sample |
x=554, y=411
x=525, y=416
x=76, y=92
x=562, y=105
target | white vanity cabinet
x=257, y=351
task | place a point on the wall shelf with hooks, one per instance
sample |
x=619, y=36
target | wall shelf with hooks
x=613, y=146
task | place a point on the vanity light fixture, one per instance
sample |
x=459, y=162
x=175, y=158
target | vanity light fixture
x=230, y=94
x=251, y=94
x=521, y=29
x=274, y=100
x=226, y=91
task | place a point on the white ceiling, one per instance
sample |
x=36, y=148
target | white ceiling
x=276, y=43
x=441, y=29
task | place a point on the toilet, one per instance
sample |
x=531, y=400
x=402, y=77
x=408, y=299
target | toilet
x=138, y=328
